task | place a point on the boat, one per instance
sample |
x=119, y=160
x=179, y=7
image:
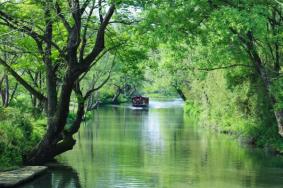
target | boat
x=140, y=101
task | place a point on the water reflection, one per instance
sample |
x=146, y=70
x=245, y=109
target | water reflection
x=57, y=177
x=123, y=147
x=152, y=135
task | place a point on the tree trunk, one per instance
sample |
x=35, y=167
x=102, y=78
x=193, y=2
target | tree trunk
x=279, y=118
x=181, y=94
x=266, y=79
x=80, y=112
x=116, y=96
x=91, y=104
x=55, y=142
x=4, y=90
x=7, y=94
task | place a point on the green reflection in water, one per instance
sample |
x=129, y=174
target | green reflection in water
x=123, y=147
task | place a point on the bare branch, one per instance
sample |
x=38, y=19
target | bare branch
x=103, y=83
x=100, y=56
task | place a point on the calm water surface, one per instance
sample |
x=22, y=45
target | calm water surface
x=160, y=147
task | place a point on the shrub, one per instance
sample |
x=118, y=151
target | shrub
x=17, y=136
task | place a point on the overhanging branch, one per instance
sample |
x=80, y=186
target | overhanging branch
x=99, y=43
x=223, y=67
x=19, y=25
x=26, y=85
x=103, y=83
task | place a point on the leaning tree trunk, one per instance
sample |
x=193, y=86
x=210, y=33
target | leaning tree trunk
x=55, y=142
x=181, y=94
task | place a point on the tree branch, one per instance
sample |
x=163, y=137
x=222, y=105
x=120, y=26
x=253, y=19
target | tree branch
x=224, y=67
x=99, y=44
x=15, y=24
x=85, y=33
x=103, y=83
x=18, y=25
x=100, y=11
x=84, y=6
x=62, y=17
x=98, y=58
x=26, y=85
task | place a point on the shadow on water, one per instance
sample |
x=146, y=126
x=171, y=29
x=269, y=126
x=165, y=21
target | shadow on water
x=158, y=147
x=60, y=176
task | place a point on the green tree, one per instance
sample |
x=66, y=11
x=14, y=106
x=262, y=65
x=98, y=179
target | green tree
x=69, y=39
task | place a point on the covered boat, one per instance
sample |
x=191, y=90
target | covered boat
x=140, y=101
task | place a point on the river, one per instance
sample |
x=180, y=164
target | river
x=158, y=147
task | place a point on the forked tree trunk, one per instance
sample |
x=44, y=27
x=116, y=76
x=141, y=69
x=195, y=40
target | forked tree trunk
x=55, y=141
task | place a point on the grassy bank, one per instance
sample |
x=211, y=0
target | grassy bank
x=20, y=131
x=239, y=108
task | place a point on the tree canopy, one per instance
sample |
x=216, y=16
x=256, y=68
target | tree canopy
x=58, y=57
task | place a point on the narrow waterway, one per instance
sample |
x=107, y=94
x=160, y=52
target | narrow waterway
x=159, y=147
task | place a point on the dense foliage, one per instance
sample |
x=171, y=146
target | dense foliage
x=232, y=64
x=19, y=132
x=62, y=59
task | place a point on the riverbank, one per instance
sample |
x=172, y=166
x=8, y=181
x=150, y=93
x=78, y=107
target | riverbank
x=243, y=129
x=20, y=131
x=17, y=177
